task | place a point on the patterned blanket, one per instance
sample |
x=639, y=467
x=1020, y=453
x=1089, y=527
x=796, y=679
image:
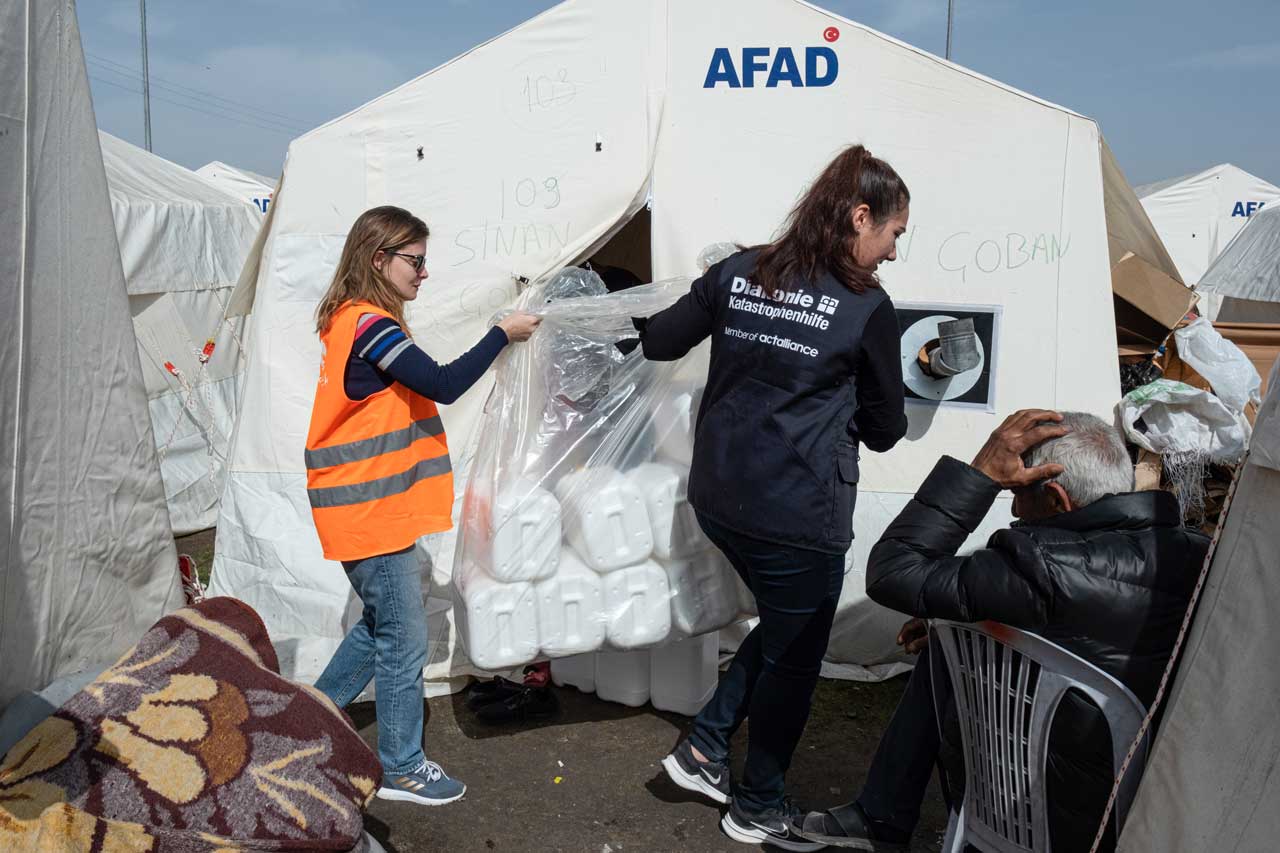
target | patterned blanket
x=192, y=742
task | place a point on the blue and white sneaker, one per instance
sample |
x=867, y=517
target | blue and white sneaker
x=429, y=785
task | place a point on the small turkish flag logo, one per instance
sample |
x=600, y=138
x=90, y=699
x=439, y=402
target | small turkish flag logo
x=831, y=34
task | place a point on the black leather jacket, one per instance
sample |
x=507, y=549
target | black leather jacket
x=1110, y=582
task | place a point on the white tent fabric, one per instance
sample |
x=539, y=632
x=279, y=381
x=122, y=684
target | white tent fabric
x=529, y=151
x=183, y=242
x=1211, y=780
x=1198, y=215
x=252, y=187
x=1249, y=268
x=89, y=561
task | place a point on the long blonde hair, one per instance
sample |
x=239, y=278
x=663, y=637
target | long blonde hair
x=384, y=229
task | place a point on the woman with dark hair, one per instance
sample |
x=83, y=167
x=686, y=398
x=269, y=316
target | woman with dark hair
x=804, y=368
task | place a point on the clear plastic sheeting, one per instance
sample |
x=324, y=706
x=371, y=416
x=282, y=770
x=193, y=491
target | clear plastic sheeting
x=715, y=253
x=576, y=532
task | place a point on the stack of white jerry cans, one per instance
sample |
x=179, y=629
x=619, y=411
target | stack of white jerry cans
x=610, y=576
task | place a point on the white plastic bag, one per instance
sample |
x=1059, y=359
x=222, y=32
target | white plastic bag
x=1234, y=378
x=1178, y=419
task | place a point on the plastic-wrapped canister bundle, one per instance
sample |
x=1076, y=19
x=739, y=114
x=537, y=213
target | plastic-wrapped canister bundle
x=578, y=538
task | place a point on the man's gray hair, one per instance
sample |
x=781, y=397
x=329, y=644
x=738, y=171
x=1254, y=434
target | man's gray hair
x=1094, y=457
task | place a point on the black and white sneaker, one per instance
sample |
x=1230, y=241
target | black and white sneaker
x=777, y=827
x=709, y=778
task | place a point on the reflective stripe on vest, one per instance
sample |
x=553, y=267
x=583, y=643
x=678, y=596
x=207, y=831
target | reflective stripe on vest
x=367, y=448
x=384, y=487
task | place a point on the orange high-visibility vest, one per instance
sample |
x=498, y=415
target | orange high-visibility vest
x=378, y=471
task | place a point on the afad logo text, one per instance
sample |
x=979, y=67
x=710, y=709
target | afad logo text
x=1247, y=209
x=774, y=67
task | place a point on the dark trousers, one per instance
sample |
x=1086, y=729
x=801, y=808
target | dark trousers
x=908, y=751
x=1077, y=775
x=772, y=676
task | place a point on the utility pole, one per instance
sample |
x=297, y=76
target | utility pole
x=951, y=5
x=146, y=77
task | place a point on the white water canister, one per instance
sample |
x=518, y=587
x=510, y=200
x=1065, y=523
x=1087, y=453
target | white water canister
x=676, y=532
x=571, y=610
x=498, y=621
x=623, y=677
x=704, y=593
x=604, y=518
x=526, y=533
x=675, y=414
x=575, y=671
x=637, y=603
x=684, y=674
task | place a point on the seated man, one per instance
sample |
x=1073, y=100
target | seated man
x=1099, y=569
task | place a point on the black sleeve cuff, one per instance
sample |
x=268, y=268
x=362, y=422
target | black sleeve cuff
x=959, y=491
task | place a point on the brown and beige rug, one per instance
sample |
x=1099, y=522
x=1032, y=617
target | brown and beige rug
x=192, y=742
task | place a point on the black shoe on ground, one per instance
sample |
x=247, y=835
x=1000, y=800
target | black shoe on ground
x=484, y=692
x=777, y=827
x=848, y=826
x=709, y=778
x=530, y=703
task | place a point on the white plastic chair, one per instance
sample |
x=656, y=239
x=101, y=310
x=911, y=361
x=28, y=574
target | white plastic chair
x=1007, y=685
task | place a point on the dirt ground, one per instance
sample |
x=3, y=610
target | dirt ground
x=199, y=547
x=612, y=795
x=590, y=780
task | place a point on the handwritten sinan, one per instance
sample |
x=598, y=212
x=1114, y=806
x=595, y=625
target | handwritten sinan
x=508, y=240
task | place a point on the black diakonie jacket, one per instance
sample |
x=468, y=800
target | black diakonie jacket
x=1109, y=582
x=794, y=385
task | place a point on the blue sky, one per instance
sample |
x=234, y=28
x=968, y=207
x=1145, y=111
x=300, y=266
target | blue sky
x=1176, y=85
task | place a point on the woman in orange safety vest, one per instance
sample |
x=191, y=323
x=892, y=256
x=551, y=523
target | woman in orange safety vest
x=379, y=477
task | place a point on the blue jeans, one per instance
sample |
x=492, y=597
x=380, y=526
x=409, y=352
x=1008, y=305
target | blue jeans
x=772, y=677
x=389, y=644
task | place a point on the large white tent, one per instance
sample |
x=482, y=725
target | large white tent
x=1198, y=215
x=1211, y=780
x=643, y=132
x=1245, y=277
x=89, y=561
x=252, y=187
x=183, y=242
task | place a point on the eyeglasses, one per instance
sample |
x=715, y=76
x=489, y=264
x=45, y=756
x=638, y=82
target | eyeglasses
x=418, y=261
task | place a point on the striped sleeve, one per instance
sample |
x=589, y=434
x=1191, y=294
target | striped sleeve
x=380, y=341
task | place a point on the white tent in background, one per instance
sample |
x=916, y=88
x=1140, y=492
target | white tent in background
x=1211, y=780
x=250, y=186
x=1198, y=215
x=640, y=133
x=183, y=242
x=1246, y=276
x=89, y=559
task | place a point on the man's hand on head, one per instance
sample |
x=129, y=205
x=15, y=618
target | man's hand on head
x=1001, y=457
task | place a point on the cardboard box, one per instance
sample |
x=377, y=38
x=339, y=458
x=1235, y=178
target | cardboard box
x=1259, y=341
x=1146, y=473
x=1148, y=304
